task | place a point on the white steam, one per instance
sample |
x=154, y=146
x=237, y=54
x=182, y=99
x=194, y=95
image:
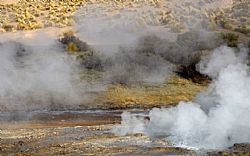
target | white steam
x=137, y=38
x=109, y=26
x=219, y=117
x=221, y=58
x=38, y=75
x=118, y=35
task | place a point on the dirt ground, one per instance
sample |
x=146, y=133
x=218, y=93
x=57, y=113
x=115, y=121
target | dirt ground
x=77, y=134
x=86, y=133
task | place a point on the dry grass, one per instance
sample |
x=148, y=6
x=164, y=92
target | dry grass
x=176, y=89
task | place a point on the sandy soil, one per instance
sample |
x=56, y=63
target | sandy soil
x=8, y=1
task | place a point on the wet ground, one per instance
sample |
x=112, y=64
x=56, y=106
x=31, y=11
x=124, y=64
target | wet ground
x=75, y=133
x=84, y=132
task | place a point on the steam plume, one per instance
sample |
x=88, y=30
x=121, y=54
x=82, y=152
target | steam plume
x=217, y=119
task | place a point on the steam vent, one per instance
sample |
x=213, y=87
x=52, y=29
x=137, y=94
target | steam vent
x=124, y=77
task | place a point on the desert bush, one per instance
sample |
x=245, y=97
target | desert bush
x=91, y=60
x=72, y=47
x=242, y=29
x=87, y=58
x=224, y=24
x=72, y=43
x=8, y=27
x=230, y=38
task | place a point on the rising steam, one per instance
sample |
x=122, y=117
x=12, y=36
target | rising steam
x=129, y=46
x=217, y=119
x=38, y=75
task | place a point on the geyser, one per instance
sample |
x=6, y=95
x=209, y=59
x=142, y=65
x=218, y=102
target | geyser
x=217, y=119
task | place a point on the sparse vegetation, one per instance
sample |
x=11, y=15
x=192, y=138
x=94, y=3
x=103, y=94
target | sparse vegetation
x=8, y=27
x=170, y=93
x=91, y=61
x=36, y=14
x=88, y=58
x=242, y=29
x=72, y=43
x=231, y=39
x=71, y=47
x=225, y=24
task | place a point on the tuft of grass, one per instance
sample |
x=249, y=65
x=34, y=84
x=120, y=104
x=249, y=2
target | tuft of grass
x=224, y=24
x=72, y=43
x=72, y=47
x=242, y=29
x=8, y=27
x=231, y=39
x=69, y=33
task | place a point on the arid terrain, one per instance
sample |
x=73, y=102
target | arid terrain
x=87, y=133
x=74, y=134
x=86, y=129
